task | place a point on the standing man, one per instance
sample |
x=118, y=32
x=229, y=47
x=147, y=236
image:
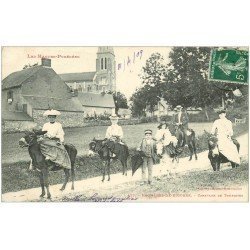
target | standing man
x=148, y=148
x=181, y=120
x=223, y=129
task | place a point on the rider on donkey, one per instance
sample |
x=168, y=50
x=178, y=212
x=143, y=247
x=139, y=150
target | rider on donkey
x=52, y=144
x=114, y=132
x=223, y=129
x=181, y=120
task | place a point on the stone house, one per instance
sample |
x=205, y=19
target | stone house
x=161, y=109
x=97, y=104
x=26, y=94
x=125, y=113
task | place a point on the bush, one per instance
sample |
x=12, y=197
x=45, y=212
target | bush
x=148, y=119
x=166, y=118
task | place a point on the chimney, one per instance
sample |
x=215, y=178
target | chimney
x=46, y=62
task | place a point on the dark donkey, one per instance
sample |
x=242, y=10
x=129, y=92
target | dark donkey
x=215, y=157
x=106, y=149
x=41, y=165
x=183, y=140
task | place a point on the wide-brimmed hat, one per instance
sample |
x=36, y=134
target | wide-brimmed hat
x=51, y=112
x=178, y=107
x=113, y=117
x=221, y=111
x=148, y=131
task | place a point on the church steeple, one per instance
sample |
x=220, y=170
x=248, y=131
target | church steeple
x=106, y=69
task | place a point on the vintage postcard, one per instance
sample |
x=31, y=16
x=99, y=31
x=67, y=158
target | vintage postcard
x=125, y=124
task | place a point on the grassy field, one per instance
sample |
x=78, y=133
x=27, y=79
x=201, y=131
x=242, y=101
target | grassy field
x=15, y=175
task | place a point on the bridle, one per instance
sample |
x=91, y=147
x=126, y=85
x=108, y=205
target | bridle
x=97, y=151
x=31, y=142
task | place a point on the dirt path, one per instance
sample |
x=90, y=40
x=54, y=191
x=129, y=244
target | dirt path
x=117, y=180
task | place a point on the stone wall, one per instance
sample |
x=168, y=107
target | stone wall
x=17, y=126
x=97, y=110
x=67, y=119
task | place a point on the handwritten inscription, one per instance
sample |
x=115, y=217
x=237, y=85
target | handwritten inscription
x=99, y=198
x=129, y=60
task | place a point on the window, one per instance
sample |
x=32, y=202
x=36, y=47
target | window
x=102, y=63
x=97, y=87
x=105, y=63
x=10, y=96
x=89, y=88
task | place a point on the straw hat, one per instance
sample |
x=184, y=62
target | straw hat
x=178, y=107
x=114, y=117
x=51, y=112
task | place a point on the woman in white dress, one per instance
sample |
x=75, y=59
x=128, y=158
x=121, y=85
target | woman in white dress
x=164, y=137
x=223, y=129
x=52, y=144
x=114, y=131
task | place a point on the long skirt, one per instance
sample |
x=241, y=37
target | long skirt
x=55, y=153
x=228, y=149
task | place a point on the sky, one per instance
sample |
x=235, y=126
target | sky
x=127, y=78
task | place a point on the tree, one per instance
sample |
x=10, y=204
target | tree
x=120, y=101
x=138, y=104
x=152, y=76
x=186, y=79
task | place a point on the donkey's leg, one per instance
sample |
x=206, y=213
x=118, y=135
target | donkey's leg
x=66, y=172
x=217, y=164
x=108, y=169
x=126, y=167
x=190, y=151
x=46, y=181
x=194, y=148
x=104, y=170
x=72, y=176
x=42, y=184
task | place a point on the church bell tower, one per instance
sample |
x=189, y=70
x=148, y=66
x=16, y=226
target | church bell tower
x=105, y=69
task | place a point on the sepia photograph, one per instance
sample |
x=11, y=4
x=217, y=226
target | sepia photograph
x=125, y=124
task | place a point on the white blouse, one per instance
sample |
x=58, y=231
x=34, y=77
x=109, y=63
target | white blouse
x=114, y=130
x=223, y=126
x=54, y=130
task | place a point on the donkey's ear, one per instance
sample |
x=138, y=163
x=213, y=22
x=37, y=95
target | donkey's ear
x=94, y=139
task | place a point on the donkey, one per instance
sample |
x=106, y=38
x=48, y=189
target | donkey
x=105, y=149
x=183, y=140
x=42, y=166
x=215, y=157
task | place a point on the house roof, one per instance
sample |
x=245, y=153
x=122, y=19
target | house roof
x=62, y=104
x=77, y=77
x=96, y=100
x=15, y=116
x=16, y=79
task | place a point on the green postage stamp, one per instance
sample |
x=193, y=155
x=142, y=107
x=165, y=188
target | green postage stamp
x=229, y=66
